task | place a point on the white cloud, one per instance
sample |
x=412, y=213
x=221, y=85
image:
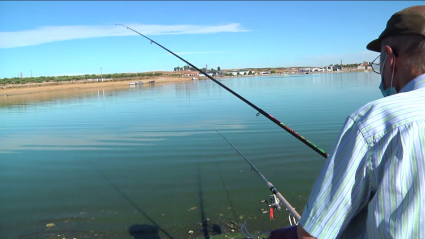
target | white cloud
x=60, y=33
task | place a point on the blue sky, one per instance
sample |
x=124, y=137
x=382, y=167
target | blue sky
x=72, y=38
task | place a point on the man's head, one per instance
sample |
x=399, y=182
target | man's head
x=402, y=46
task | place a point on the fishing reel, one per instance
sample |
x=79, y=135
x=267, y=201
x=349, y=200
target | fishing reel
x=273, y=203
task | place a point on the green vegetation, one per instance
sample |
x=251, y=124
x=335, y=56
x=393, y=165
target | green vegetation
x=184, y=68
x=41, y=79
x=346, y=65
x=189, y=68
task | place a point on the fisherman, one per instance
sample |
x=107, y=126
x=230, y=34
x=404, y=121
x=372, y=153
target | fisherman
x=373, y=182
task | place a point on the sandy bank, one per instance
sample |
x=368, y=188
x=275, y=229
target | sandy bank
x=75, y=86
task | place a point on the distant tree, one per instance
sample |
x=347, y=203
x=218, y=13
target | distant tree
x=250, y=73
x=273, y=71
x=218, y=68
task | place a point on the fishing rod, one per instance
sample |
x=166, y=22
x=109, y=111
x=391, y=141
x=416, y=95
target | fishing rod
x=260, y=111
x=269, y=184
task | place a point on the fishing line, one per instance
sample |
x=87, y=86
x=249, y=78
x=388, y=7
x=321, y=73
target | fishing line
x=269, y=184
x=260, y=111
x=227, y=192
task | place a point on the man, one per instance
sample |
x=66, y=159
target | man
x=373, y=182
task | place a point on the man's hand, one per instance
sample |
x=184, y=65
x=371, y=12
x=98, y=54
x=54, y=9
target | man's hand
x=302, y=234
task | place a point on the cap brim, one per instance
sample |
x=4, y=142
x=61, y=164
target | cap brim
x=374, y=45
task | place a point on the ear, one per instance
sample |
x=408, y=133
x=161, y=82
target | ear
x=390, y=56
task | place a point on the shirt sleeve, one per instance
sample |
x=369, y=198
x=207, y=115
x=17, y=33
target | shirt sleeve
x=342, y=187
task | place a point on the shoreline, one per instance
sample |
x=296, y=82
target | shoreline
x=35, y=88
x=49, y=87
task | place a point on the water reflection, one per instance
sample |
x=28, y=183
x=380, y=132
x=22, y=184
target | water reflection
x=80, y=94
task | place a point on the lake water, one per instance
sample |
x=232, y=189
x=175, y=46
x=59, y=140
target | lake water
x=103, y=163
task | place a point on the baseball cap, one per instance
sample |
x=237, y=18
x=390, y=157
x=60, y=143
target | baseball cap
x=410, y=20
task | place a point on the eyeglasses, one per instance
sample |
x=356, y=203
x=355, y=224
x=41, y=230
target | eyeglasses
x=376, y=65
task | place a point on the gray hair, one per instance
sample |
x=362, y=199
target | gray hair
x=411, y=45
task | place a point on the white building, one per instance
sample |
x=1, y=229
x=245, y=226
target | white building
x=364, y=65
x=328, y=68
x=202, y=75
x=235, y=73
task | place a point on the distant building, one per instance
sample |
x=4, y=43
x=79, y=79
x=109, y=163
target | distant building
x=364, y=65
x=242, y=72
x=208, y=73
x=328, y=68
x=317, y=69
x=219, y=73
x=190, y=73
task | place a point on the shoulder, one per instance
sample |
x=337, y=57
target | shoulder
x=382, y=115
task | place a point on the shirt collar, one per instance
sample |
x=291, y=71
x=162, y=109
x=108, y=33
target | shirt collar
x=417, y=83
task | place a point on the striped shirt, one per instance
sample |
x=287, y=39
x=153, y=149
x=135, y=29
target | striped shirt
x=373, y=183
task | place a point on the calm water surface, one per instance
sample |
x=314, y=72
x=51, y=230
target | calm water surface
x=101, y=163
